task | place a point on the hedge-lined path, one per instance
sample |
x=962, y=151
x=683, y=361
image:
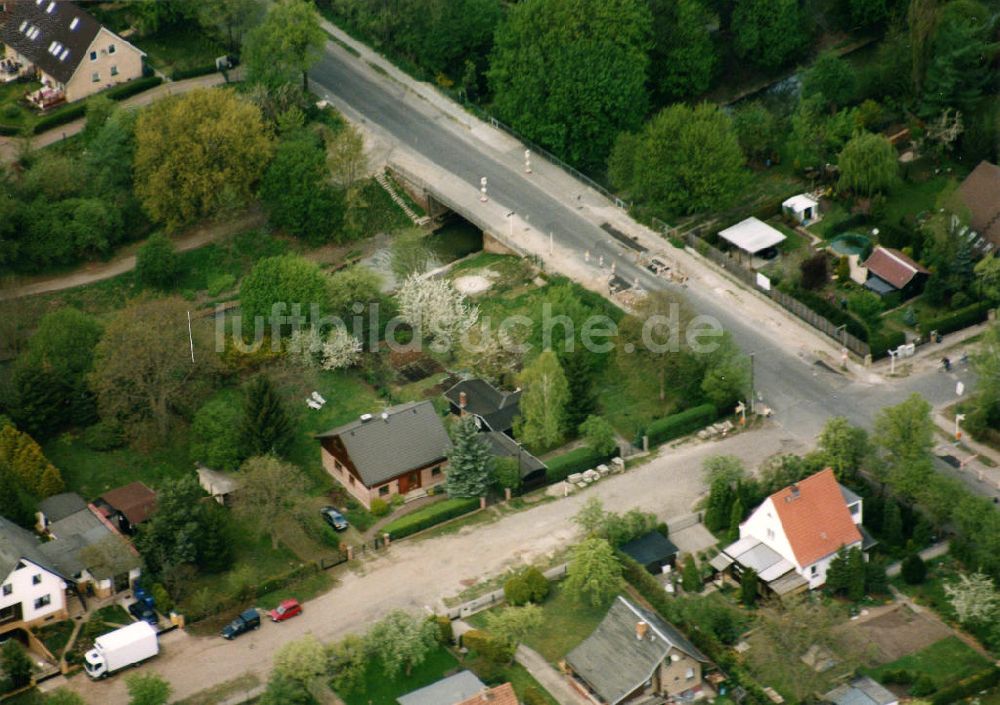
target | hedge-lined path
x=408, y=508
x=124, y=259
x=9, y=146
x=417, y=575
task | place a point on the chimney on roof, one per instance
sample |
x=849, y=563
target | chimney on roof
x=793, y=493
x=486, y=695
x=462, y=400
x=640, y=630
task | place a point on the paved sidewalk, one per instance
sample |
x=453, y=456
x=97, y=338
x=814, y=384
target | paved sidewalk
x=929, y=553
x=9, y=146
x=550, y=678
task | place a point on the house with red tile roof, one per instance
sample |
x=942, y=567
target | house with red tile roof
x=890, y=270
x=792, y=537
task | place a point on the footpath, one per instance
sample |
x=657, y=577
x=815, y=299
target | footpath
x=10, y=146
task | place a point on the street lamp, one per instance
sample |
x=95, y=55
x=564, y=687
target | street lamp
x=958, y=431
x=510, y=218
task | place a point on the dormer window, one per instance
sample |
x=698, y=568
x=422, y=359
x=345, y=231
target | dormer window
x=74, y=24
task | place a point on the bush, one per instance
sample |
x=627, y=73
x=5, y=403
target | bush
x=814, y=271
x=156, y=262
x=485, y=645
x=858, y=220
x=880, y=343
x=219, y=283
x=527, y=586
x=430, y=516
x=162, y=598
x=899, y=676
x=532, y=696
x=103, y=436
x=924, y=685
x=380, y=507
x=181, y=74
x=445, y=633
x=578, y=460
x=957, y=320
x=832, y=313
x=680, y=424
x=75, y=111
x=127, y=90
x=914, y=570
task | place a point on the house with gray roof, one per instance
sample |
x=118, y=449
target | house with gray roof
x=400, y=451
x=447, y=691
x=492, y=408
x=634, y=653
x=861, y=691
x=32, y=588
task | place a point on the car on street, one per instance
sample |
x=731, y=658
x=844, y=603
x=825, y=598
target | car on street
x=141, y=610
x=286, y=610
x=247, y=621
x=334, y=518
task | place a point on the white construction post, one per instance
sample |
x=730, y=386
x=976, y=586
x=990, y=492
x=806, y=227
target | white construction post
x=482, y=190
x=527, y=161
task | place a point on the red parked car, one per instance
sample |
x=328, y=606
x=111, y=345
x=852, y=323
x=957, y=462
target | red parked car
x=286, y=610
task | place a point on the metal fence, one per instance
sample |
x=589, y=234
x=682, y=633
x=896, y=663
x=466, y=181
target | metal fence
x=789, y=303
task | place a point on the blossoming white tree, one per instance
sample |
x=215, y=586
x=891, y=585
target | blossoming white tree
x=974, y=598
x=335, y=350
x=437, y=311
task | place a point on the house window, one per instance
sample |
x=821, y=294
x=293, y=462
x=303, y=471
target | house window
x=111, y=48
x=435, y=472
x=95, y=77
x=36, y=579
x=383, y=490
x=93, y=56
x=770, y=534
x=42, y=601
x=689, y=674
x=8, y=589
x=855, y=508
x=114, y=70
x=814, y=571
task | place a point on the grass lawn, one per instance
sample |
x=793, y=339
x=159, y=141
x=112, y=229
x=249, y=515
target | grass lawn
x=179, y=48
x=56, y=636
x=91, y=473
x=13, y=113
x=912, y=197
x=380, y=690
x=944, y=662
x=794, y=240
x=565, y=623
x=836, y=213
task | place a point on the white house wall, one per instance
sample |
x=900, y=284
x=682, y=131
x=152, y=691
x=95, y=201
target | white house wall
x=26, y=592
x=764, y=526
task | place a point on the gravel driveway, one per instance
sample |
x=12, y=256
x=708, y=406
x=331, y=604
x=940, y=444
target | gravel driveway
x=416, y=575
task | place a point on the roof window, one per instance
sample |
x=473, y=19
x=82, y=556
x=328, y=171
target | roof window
x=24, y=23
x=62, y=57
x=33, y=34
x=75, y=23
x=51, y=8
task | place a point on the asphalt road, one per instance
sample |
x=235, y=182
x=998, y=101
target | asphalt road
x=802, y=392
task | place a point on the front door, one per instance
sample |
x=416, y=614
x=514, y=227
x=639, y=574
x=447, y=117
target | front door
x=409, y=482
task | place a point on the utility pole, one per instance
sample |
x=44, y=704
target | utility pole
x=190, y=337
x=753, y=395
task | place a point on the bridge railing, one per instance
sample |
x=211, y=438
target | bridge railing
x=469, y=214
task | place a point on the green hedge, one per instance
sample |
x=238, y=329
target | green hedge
x=430, y=516
x=578, y=460
x=831, y=312
x=181, y=74
x=970, y=686
x=881, y=343
x=680, y=424
x=957, y=320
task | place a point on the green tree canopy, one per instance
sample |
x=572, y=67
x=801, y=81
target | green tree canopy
x=685, y=159
x=599, y=435
x=683, y=58
x=769, y=33
x=843, y=447
x=147, y=689
x=266, y=428
x=198, y=153
x=960, y=57
x=276, y=284
x=543, y=402
x=156, y=262
x=285, y=45
x=401, y=641
x=594, y=574
x=831, y=77
x=215, y=434
x=471, y=463
x=296, y=189
x=571, y=74
x=868, y=165
x=757, y=130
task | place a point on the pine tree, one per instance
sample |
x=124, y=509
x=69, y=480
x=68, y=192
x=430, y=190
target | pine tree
x=17, y=506
x=470, y=462
x=855, y=575
x=838, y=574
x=959, y=71
x=577, y=366
x=690, y=577
x=735, y=518
x=266, y=428
x=892, y=523
x=719, y=509
x=749, y=587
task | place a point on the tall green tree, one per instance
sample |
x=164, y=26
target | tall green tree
x=922, y=20
x=471, y=464
x=270, y=490
x=401, y=642
x=690, y=577
x=868, y=165
x=683, y=58
x=543, y=402
x=843, y=447
x=266, y=427
x=285, y=45
x=16, y=663
x=720, y=505
x=296, y=189
x=156, y=262
x=831, y=77
x=959, y=70
x=276, y=284
x=892, y=523
x=757, y=129
x=599, y=435
x=905, y=435
x=749, y=587
x=594, y=574
x=579, y=369
x=685, y=159
x=769, y=33
x=571, y=74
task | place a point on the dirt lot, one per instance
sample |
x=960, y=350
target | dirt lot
x=893, y=632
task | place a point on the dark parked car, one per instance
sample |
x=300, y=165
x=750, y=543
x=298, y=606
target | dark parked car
x=247, y=621
x=334, y=518
x=144, y=611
